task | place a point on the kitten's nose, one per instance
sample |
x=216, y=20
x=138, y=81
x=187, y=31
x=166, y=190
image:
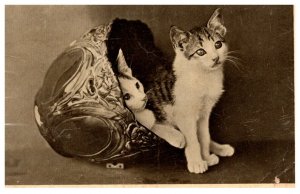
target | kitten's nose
x=216, y=59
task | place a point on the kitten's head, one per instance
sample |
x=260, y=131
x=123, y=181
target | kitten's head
x=132, y=89
x=203, y=46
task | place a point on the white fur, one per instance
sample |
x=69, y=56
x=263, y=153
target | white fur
x=145, y=117
x=198, y=86
x=196, y=91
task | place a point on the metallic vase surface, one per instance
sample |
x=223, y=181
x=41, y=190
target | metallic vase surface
x=79, y=109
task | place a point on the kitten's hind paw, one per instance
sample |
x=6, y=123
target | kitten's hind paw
x=212, y=160
x=197, y=166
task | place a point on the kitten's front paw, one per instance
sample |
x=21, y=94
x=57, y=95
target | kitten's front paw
x=197, y=166
x=226, y=150
x=212, y=160
x=176, y=139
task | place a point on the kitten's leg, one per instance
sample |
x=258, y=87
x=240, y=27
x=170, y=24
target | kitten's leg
x=187, y=125
x=170, y=134
x=204, y=139
x=164, y=131
x=221, y=149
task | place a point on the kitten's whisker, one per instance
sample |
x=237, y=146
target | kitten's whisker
x=234, y=58
x=236, y=51
x=233, y=63
x=233, y=52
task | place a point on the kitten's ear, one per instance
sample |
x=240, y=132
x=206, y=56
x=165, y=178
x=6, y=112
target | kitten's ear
x=179, y=38
x=216, y=23
x=122, y=65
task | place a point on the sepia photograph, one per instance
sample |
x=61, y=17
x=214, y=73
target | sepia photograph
x=149, y=95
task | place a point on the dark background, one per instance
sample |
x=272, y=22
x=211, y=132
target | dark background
x=256, y=113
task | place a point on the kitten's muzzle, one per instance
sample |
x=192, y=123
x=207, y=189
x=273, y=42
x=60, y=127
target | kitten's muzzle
x=145, y=99
x=216, y=62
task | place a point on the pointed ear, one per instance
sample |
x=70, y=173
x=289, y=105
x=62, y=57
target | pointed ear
x=122, y=65
x=216, y=23
x=179, y=38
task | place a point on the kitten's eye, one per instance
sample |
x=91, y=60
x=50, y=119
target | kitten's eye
x=201, y=52
x=218, y=44
x=126, y=96
x=137, y=85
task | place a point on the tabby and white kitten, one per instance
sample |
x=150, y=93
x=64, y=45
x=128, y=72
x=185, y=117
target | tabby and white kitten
x=185, y=97
x=136, y=100
x=198, y=68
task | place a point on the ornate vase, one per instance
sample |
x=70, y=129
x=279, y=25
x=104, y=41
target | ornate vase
x=79, y=109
